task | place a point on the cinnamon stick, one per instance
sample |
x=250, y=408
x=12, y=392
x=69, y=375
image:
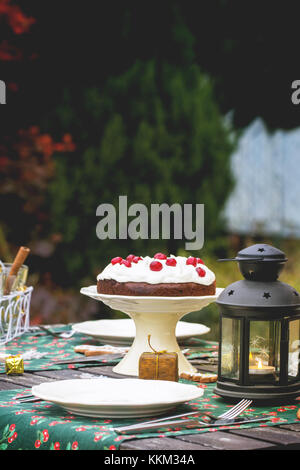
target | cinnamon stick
x=17, y=263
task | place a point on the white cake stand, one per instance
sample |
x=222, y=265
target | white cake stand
x=155, y=316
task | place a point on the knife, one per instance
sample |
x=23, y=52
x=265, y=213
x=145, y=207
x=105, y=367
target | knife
x=98, y=358
x=188, y=423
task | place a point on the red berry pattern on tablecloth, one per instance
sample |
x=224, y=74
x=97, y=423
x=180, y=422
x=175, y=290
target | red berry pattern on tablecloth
x=70, y=432
x=50, y=429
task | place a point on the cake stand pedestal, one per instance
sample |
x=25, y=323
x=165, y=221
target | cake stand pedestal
x=155, y=316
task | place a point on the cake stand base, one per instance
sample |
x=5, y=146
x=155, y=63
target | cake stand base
x=154, y=316
x=162, y=338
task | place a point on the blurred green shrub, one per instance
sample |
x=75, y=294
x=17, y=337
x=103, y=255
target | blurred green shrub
x=155, y=134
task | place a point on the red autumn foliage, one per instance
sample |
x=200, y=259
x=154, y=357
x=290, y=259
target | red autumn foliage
x=8, y=52
x=19, y=24
x=17, y=20
x=27, y=164
x=25, y=159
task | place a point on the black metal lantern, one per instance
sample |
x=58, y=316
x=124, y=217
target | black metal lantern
x=259, y=330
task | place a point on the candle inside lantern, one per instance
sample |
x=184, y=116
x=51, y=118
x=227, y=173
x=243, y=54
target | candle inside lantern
x=261, y=369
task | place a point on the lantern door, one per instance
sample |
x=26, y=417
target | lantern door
x=230, y=348
x=264, y=352
x=293, y=369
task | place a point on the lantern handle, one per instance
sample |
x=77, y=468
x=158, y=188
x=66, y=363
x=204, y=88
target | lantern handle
x=242, y=259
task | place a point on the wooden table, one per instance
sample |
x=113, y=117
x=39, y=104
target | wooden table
x=274, y=438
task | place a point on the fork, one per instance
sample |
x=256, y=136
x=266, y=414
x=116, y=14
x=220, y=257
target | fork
x=232, y=413
x=229, y=414
x=225, y=418
x=65, y=334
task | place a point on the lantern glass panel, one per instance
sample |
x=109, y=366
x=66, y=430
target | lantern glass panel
x=264, y=351
x=230, y=346
x=294, y=348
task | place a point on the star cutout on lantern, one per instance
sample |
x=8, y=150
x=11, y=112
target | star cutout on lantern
x=231, y=292
x=267, y=295
x=261, y=249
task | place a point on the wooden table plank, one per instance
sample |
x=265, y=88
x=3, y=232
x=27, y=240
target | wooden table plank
x=275, y=435
x=160, y=443
x=291, y=427
x=65, y=374
x=4, y=385
x=220, y=440
x=107, y=370
x=25, y=380
x=205, y=367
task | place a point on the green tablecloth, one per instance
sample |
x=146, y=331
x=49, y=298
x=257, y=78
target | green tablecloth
x=57, y=349
x=51, y=348
x=43, y=425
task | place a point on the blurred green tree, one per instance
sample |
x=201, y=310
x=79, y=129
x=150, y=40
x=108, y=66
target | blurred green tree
x=155, y=134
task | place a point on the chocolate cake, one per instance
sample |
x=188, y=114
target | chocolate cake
x=160, y=276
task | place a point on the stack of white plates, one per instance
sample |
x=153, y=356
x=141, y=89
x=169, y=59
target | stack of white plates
x=122, y=332
x=116, y=398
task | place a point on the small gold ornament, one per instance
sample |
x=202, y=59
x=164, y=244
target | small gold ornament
x=14, y=364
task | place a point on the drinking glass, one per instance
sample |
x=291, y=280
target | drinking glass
x=18, y=282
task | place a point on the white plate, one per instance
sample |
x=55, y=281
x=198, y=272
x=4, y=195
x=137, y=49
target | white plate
x=122, y=332
x=116, y=398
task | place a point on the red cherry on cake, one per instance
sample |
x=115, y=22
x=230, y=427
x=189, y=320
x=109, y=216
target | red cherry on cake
x=160, y=256
x=201, y=272
x=171, y=262
x=191, y=260
x=126, y=263
x=116, y=260
x=130, y=257
x=155, y=266
x=136, y=259
x=200, y=261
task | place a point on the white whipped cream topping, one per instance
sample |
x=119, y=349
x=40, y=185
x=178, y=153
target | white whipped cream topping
x=141, y=272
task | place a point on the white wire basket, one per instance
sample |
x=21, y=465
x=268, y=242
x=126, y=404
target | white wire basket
x=14, y=314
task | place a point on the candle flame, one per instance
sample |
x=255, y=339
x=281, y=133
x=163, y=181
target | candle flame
x=259, y=364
